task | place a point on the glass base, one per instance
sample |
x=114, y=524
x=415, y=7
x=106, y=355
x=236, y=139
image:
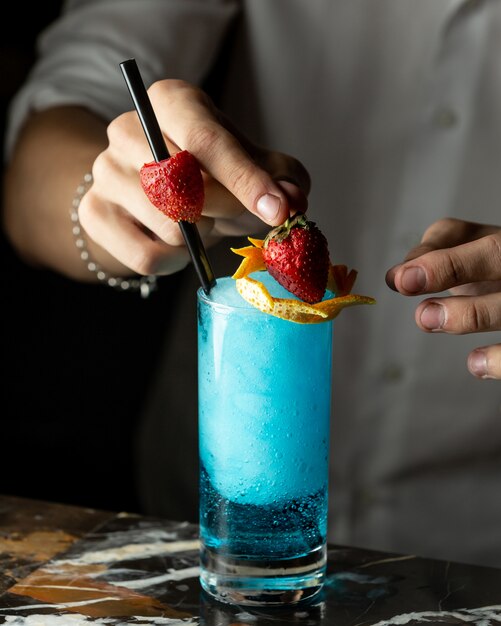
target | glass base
x=263, y=583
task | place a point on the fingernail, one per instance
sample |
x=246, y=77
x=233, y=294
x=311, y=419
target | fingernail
x=433, y=317
x=268, y=207
x=477, y=363
x=414, y=280
x=390, y=277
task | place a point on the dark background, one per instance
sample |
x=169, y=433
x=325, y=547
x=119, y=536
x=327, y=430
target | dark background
x=76, y=363
x=17, y=44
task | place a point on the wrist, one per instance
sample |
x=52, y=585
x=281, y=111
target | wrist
x=142, y=284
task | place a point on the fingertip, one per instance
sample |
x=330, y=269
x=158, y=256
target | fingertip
x=410, y=280
x=270, y=208
x=296, y=198
x=390, y=277
x=477, y=363
x=485, y=362
x=432, y=316
x=276, y=205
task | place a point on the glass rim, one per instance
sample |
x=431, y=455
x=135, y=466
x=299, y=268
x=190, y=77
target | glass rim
x=219, y=306
x=247, y=309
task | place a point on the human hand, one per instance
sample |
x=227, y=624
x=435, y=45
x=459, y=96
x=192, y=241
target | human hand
x=464, y=258
x=246, y=186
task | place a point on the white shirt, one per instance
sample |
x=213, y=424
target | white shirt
x=394, y=106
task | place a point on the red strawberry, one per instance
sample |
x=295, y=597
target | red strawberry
x=296, y=254
x=175, y=186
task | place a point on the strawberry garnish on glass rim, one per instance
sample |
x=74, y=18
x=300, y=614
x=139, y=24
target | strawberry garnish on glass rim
x=175, y=186
x=296, y=254
x=299, y=261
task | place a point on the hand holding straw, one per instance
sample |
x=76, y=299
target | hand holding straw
x=160, y=152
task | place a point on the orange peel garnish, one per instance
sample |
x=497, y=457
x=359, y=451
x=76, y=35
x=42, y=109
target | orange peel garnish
x=340, y=281
x=253, y=258
x=255, y=293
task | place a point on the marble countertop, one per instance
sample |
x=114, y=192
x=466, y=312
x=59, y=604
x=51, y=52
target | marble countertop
x=68, y=566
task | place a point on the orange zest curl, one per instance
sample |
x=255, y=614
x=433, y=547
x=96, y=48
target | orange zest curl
x=340, y=282
x=253, y=258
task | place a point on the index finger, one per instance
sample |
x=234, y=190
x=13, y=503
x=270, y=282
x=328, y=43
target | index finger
x=439, y=270
x=444, y=233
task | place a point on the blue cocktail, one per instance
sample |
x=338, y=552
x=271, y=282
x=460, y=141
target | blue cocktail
x=264, y=407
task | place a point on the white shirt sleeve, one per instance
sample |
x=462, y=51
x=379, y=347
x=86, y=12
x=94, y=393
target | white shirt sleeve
x=79, y=54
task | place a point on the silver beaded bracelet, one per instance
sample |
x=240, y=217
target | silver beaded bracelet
x=144, y=284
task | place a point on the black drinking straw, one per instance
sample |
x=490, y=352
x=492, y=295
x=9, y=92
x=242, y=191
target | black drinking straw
x=160, y=152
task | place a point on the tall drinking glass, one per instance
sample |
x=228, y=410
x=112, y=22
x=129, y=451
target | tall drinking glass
x=264, y=406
